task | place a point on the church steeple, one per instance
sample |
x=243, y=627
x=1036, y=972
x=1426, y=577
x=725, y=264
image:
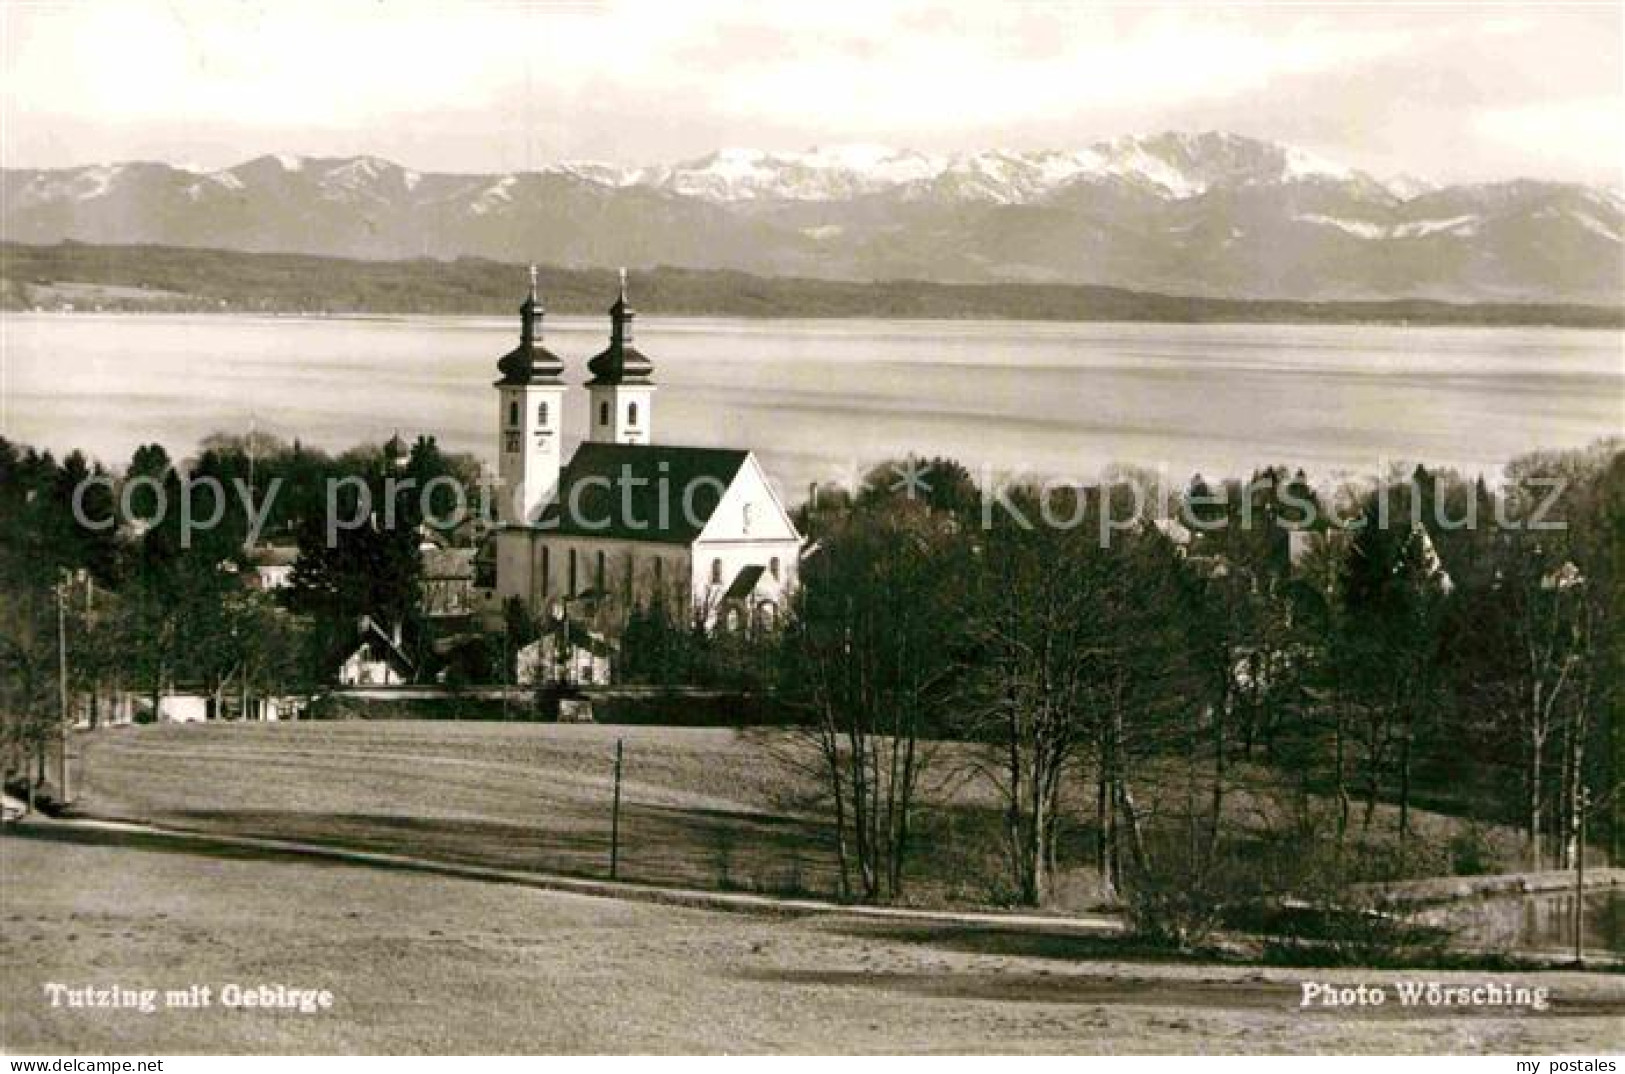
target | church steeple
x=531, y=313
x=620, y=362
x=530, y=404
x=530, y=362
x=622, y=386
x=620, y=316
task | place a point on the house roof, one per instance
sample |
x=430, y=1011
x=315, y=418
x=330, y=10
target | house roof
x=273, y=555
x=641, y=492
x=372, y=634
x=447, y=563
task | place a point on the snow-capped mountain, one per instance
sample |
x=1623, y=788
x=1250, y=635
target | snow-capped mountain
x=1210, y=214
x=1172, y=165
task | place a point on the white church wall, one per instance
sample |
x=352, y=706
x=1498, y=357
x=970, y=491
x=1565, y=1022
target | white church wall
x=724, y=559
x=749, y=510
x=640, y=569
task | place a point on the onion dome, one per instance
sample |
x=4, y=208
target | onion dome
x=620, y=362
x=530, y=362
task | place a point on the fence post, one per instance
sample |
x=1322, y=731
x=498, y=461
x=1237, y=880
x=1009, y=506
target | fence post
x=615, y=817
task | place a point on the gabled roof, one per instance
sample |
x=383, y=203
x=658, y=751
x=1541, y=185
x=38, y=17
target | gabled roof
x=382, y=644
x=641, y=492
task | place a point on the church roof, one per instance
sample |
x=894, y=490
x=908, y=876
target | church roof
x=641, y=492
x=530, y=362
x=620, y=362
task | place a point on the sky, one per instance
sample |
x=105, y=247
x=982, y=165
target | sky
x=1449, y=92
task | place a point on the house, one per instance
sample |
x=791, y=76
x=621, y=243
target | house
x=578, y=657
x=632, y=521
x=272, y=565
x=181, y=706
x=446, y=585
x=1564, y=577
x=377, y=659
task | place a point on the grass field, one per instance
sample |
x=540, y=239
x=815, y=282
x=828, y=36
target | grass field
x=422, y=963
x=702, y=807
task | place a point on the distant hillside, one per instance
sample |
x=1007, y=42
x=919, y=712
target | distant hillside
x=186, y=279
x=1210, y=214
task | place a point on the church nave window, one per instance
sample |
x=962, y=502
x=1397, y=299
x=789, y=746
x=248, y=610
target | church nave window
x=632, y=415
x=716, y=572
x=541, y=414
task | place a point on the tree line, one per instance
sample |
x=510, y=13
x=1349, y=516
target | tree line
x=148, y=604
x=1188, y=710
x=203, y=280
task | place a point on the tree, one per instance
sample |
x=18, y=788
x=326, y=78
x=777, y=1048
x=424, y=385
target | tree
x=368, y=570
x=1392, y=599
x=868, y=655
x=1080, y=653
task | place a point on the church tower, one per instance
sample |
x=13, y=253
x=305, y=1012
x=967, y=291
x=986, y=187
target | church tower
x=621, y=391
x=530, y=419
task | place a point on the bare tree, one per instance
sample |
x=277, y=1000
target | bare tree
x=869, y=656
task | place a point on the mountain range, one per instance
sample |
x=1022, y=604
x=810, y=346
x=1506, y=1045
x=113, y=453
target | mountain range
x=1208, y=214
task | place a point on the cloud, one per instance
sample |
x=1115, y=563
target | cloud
x=935, y=81
x=506, y=83
x=1587, y=134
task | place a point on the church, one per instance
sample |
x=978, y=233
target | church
x=628, y=522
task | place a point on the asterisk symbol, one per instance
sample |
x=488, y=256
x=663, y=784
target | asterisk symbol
x=911, y=474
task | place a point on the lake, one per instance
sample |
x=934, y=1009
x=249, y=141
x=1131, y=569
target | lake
x=817, y=399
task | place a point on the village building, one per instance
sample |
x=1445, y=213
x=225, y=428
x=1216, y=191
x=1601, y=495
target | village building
x=628, y=522
x=378, y=658
x=560, y=657
x=272, y=565
x=446, y=585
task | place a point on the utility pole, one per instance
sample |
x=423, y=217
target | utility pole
x=615, y=817
x=1580, y=884
x=62, y=687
